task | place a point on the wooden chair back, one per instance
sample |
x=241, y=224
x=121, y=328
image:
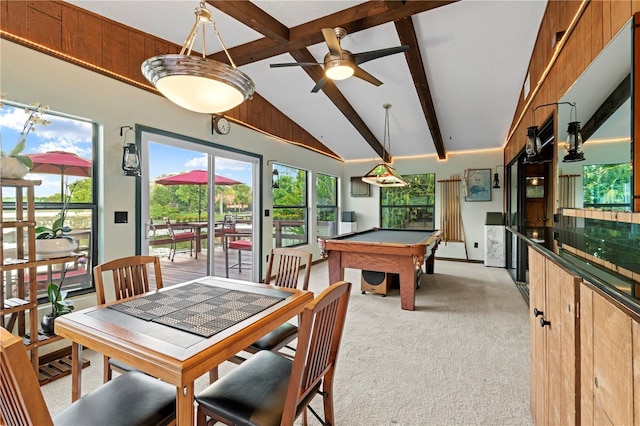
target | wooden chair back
x=289, y=261
x=319, y=336
x=130, y=276
x=21, y=400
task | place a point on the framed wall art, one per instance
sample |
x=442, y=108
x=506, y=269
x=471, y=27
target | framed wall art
x=478, y=185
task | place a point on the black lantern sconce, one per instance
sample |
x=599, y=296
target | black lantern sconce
x=275, y=176
x=130, y=156
x=573, y=145
x=496, y=178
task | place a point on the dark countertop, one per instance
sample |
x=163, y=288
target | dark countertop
x=611, y=243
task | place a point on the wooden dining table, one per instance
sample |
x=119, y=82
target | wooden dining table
x=172, y=354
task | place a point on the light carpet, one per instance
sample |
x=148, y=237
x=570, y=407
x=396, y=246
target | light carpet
x=461, y=358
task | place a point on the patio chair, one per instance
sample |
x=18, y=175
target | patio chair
x=130, y=278
x=289, y=261
x=130, y=399
x=178, y=237
x=270, y=389
x=228, y=227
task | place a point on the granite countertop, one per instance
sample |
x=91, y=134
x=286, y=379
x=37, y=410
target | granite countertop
x=606, y=254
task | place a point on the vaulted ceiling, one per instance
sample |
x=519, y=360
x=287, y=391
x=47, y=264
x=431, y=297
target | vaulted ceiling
x=454, y=90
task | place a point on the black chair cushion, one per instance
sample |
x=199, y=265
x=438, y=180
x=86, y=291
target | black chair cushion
x=270, y=340
x=130, y=399
x=251, y=394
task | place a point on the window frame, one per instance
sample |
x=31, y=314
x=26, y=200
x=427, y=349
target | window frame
x=429, y=207
x=304, y=207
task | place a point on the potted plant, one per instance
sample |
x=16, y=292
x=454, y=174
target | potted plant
x=14, y=165
x=59, y=306
x=51, y=241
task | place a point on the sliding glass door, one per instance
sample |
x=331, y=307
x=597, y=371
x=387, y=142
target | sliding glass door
x=190, y=192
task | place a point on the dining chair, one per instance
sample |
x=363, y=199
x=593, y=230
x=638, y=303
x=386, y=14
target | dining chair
x=285, y=263
x=177, y=237
x=130, y=399
x=130, y=277
x=270, y=389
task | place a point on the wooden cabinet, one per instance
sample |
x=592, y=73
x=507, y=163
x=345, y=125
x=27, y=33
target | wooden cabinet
x=19, y=266
x=610, y=348
x=554, y=334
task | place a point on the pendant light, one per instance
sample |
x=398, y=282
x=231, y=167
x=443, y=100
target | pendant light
x=197, y=83
x=383, y=174
x=130, y=157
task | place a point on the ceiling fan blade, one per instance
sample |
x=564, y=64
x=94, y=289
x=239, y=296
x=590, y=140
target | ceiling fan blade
x=294, y=64
x=362, y=74
x=332, y=41
x=319, y=84
x=362, y=57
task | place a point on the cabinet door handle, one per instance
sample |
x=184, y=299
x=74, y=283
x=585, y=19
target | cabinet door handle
x=543, y=322
x=537, y=313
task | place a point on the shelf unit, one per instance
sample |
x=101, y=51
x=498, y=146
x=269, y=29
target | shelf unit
x=19, y=267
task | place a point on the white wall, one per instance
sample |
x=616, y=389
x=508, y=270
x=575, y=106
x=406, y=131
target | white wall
x=473, y=213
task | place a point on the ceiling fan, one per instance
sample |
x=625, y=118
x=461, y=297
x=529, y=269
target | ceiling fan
x=340, y=64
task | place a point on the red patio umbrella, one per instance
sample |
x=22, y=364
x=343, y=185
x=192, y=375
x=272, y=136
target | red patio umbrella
x=195, y=177
x=62, y=163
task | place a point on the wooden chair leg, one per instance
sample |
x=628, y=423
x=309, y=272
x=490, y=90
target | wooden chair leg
x=213, y=375
x=107, y=374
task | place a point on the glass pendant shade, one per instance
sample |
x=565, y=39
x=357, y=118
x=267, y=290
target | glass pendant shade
x=573, y=144
x=384, y=174
x=533, y=146
x=197, y=83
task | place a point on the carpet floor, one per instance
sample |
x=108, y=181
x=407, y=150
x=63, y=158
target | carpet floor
x=461, y=358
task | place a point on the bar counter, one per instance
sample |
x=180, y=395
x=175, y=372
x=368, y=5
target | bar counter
x=605, y=254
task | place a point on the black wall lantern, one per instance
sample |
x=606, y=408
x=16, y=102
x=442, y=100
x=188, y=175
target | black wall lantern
x=130, y=157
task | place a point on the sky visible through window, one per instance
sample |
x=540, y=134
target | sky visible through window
x=75, y=136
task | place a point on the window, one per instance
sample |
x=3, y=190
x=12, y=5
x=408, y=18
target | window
x=409, y=206
x=290, y=207
x=607, y=186
x=327, y=205
x=62, y=153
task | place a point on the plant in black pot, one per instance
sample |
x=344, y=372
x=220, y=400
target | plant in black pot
x=59, y=306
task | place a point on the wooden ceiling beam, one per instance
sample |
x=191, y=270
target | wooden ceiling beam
x=354, y=19
x=253, y=17
x=407, y=34
x=338, y=99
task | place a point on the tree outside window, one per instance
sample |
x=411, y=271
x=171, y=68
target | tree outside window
x=410, y=206
x=290, y=207
x=327, y=205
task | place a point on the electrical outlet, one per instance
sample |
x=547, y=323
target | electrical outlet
x=475, y=245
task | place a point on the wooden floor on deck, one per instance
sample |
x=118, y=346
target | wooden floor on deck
x=184, y=267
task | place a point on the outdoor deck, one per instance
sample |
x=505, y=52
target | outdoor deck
x=185, y=268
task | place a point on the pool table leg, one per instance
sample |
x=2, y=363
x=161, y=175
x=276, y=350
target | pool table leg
x=336, y=271
x=407, y=286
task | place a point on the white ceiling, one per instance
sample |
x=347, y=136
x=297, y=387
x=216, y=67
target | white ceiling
x=475, y=53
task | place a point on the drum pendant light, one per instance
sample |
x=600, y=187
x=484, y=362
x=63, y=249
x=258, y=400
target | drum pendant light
x=197, y=83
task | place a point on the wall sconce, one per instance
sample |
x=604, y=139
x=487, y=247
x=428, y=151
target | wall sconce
x=275, y=176
x=130, y=157
x=573, y=145
x=496, y=177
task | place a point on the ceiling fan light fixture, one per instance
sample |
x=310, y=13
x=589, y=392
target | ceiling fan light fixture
x=337, y=68
x=197, y=83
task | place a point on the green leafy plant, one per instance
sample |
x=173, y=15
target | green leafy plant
x=58, y=228
x=57, y=296
x=36, y=114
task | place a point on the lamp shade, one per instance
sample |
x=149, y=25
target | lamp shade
x=198, y=84
x=385, y=175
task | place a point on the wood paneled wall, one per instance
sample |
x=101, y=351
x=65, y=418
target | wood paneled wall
x=594, y=27
x=81, y=37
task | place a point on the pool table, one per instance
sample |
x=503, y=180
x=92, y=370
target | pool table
x=398, y=251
